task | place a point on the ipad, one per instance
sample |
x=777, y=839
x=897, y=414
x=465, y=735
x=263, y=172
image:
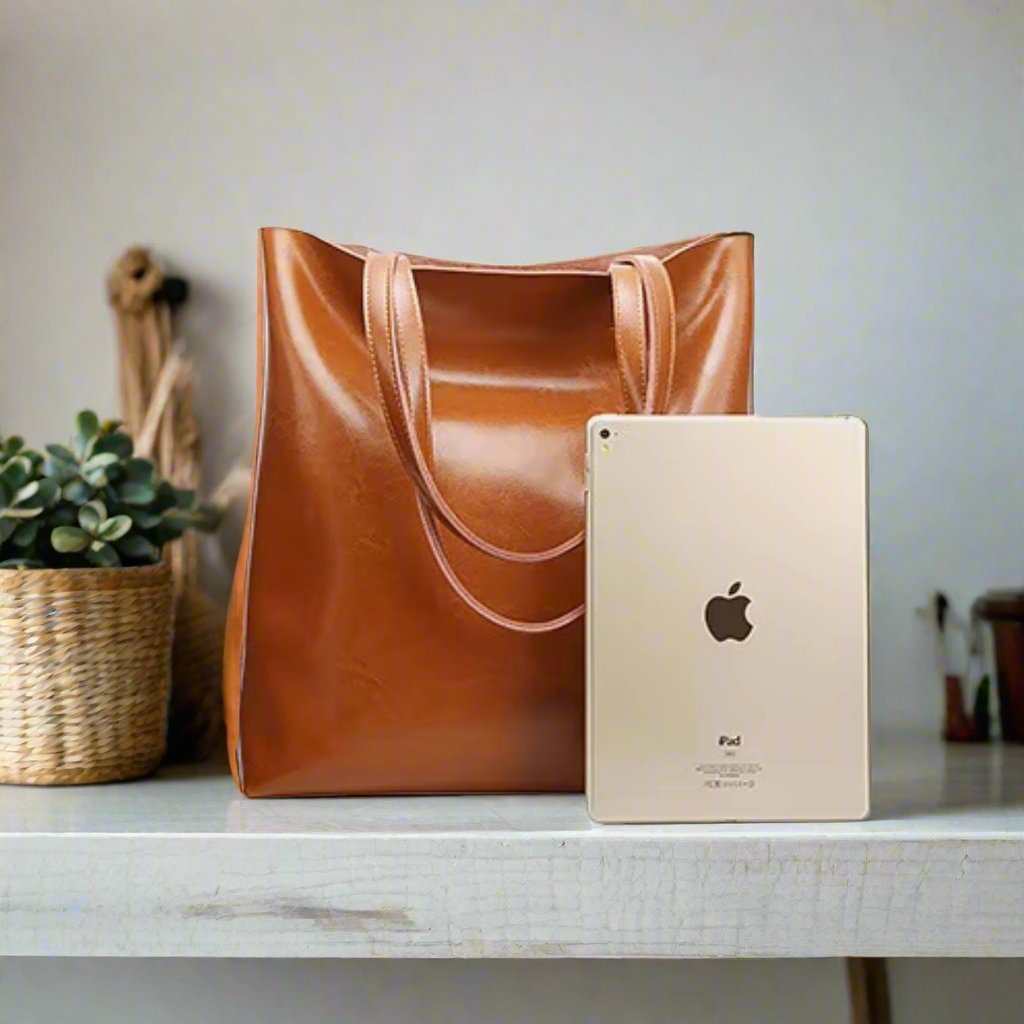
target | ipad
x=727, y=619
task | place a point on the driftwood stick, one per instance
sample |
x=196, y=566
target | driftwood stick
x=150, y=435
x=156, y=387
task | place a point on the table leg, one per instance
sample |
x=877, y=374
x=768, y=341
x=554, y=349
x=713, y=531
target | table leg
x=868, y=984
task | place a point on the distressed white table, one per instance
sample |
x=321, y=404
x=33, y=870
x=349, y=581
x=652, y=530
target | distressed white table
x=181, y=865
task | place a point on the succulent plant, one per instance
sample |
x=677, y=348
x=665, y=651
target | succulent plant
x=23, y=496
x=90, y=503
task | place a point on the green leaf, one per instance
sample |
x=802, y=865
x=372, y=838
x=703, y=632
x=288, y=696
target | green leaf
x=26, y=533
x=17, y=512
x=140, y=471
x=144, y=519
x=114, y=528
x=96, y=477
x=102, y=555
x=7, y=527
x=16, y=471
x=137, y=494
x=184, y=498
x=87, y=424
x=135, y=546
x=206, y=518
x=69, y=539
x=119, y=444
x=91, y=516
x=177, y=520
x=34, y=459
x=77, y=491
x=61, y=453
x=164, y=496
x=62, y=472
x=23, y=494
x=22, y=563
x=13, y=445
x=101, y=460
x=48, y=493
x=38, y=494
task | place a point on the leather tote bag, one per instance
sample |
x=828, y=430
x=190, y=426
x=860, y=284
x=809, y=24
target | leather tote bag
x=406, y=611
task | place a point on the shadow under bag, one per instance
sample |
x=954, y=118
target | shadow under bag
x=406, y=614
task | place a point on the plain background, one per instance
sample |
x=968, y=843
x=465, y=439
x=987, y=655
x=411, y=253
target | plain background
x=874, y=148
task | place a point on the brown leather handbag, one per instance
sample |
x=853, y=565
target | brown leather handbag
x=406, y=612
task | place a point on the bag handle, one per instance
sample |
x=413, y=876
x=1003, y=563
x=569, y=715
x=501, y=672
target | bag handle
x=643, y=309
x=644, y=329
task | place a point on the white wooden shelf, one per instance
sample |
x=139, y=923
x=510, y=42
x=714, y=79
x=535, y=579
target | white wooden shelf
x=181, y=865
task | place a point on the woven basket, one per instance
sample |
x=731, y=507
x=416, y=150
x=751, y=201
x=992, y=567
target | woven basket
x=84, y=673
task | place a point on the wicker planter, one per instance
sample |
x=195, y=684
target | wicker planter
x=84, y=673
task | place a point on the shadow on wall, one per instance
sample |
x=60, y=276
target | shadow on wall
x=216, y=331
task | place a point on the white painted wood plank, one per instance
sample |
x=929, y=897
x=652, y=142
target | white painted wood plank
x=183, y=866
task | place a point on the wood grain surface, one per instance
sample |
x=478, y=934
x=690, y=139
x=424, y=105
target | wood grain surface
x=181, y=865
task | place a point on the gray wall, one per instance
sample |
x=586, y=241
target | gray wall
x=874, y=148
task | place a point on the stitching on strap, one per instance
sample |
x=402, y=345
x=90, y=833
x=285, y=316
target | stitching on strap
x=644, y=363
x=424, y=366
x=371, y=345
x=628, y=398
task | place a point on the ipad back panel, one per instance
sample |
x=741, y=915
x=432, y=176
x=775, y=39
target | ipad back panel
x=727, y=619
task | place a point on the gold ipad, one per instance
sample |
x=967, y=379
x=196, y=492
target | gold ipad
x=727, y=619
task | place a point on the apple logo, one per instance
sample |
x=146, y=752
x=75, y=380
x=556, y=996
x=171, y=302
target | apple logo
x=726, y=616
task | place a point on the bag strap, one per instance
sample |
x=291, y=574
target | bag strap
x=643, y=311
x=644, y=331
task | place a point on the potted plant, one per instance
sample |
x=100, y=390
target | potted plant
x=86, y=613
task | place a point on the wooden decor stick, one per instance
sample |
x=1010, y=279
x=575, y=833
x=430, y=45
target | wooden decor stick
x=156, y=386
